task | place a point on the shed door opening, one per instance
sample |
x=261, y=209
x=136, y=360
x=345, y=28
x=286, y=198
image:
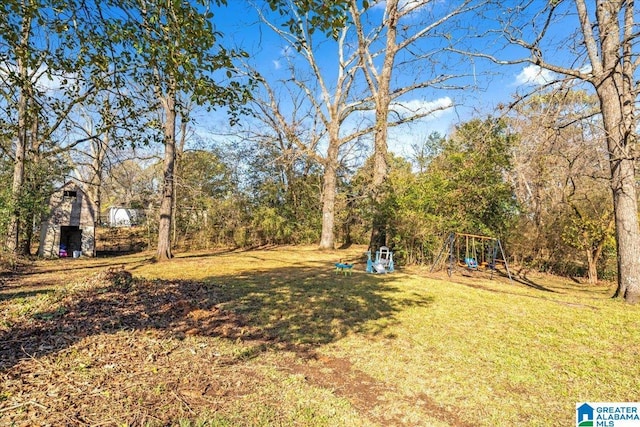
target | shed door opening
x=70, y=239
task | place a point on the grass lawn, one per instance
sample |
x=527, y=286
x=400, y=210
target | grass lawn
x=274, y=337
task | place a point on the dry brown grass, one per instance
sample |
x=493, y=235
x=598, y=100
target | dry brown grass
x=275, y=337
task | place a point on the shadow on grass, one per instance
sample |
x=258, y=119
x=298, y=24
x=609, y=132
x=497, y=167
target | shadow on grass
x=71, y=264
x=294, y=309
x=531, y=284
x=524, y=280
x=5, y=296
x=506, y=278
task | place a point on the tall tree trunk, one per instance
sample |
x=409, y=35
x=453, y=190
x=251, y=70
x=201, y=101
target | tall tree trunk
x=166, y=204
x=615, y=88
x=594, y=254
x=94, y=190
x=13, y=234
x=627, y=236
x=329, y=185
x=29, y=224
x=30, y=183
x=592, y=265
x=623, y=185
x=176, y=176
x=380, y=171
x=383, y=101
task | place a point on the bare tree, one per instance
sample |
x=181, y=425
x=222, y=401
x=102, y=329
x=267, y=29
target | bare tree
x=89, y=157
x=291, y=131
x=604, y=55
x=356, y=42
x=331, y=101
x=395, y=44
x=560, y=180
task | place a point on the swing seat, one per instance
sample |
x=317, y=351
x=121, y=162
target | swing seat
x=471, y=263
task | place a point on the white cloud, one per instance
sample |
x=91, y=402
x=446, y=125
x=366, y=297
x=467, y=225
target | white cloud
x=403, y=5
x=43, y=80
x=286, y=52
x=440, y=119
x=276, y=64
x=534, y=75
x=411, y=4
x=51, y=83
x=587, y=69
x=431, y=109
x=439, y=115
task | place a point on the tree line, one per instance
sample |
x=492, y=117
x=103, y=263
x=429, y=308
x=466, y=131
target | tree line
x=85, y=84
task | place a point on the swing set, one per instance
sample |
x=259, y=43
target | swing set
x=470, y=253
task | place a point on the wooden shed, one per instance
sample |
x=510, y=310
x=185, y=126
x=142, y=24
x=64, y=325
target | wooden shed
x=69, y=230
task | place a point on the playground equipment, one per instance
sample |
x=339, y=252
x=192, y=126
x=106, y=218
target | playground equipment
x=471, y=253
x=343, y=268
x=383, y=262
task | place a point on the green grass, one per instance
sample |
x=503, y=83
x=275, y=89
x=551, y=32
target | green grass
x=506, y=358
x=292, y=343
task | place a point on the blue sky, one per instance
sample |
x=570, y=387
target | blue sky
x=242, y=28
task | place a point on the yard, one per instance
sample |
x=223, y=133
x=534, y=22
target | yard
x=274, y=337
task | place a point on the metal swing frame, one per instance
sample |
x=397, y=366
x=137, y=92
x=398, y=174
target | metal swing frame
x=470, y=262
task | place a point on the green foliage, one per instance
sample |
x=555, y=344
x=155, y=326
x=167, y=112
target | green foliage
x=277, y=202
x=5, y=195
x=461, y=186
x=32, y=205
x=328, y=16
x=270, y=226
x=411, y=213
x=426, y=151
x=37, y=189
x=174, y=47
x=290, y=186
x=208, y=203
x=471, y=176
x=585, y=233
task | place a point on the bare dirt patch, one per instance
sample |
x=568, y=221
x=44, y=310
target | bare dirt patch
x=365, y=392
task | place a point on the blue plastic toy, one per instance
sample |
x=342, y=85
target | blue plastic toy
x=344, y=268
x=383, y=261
